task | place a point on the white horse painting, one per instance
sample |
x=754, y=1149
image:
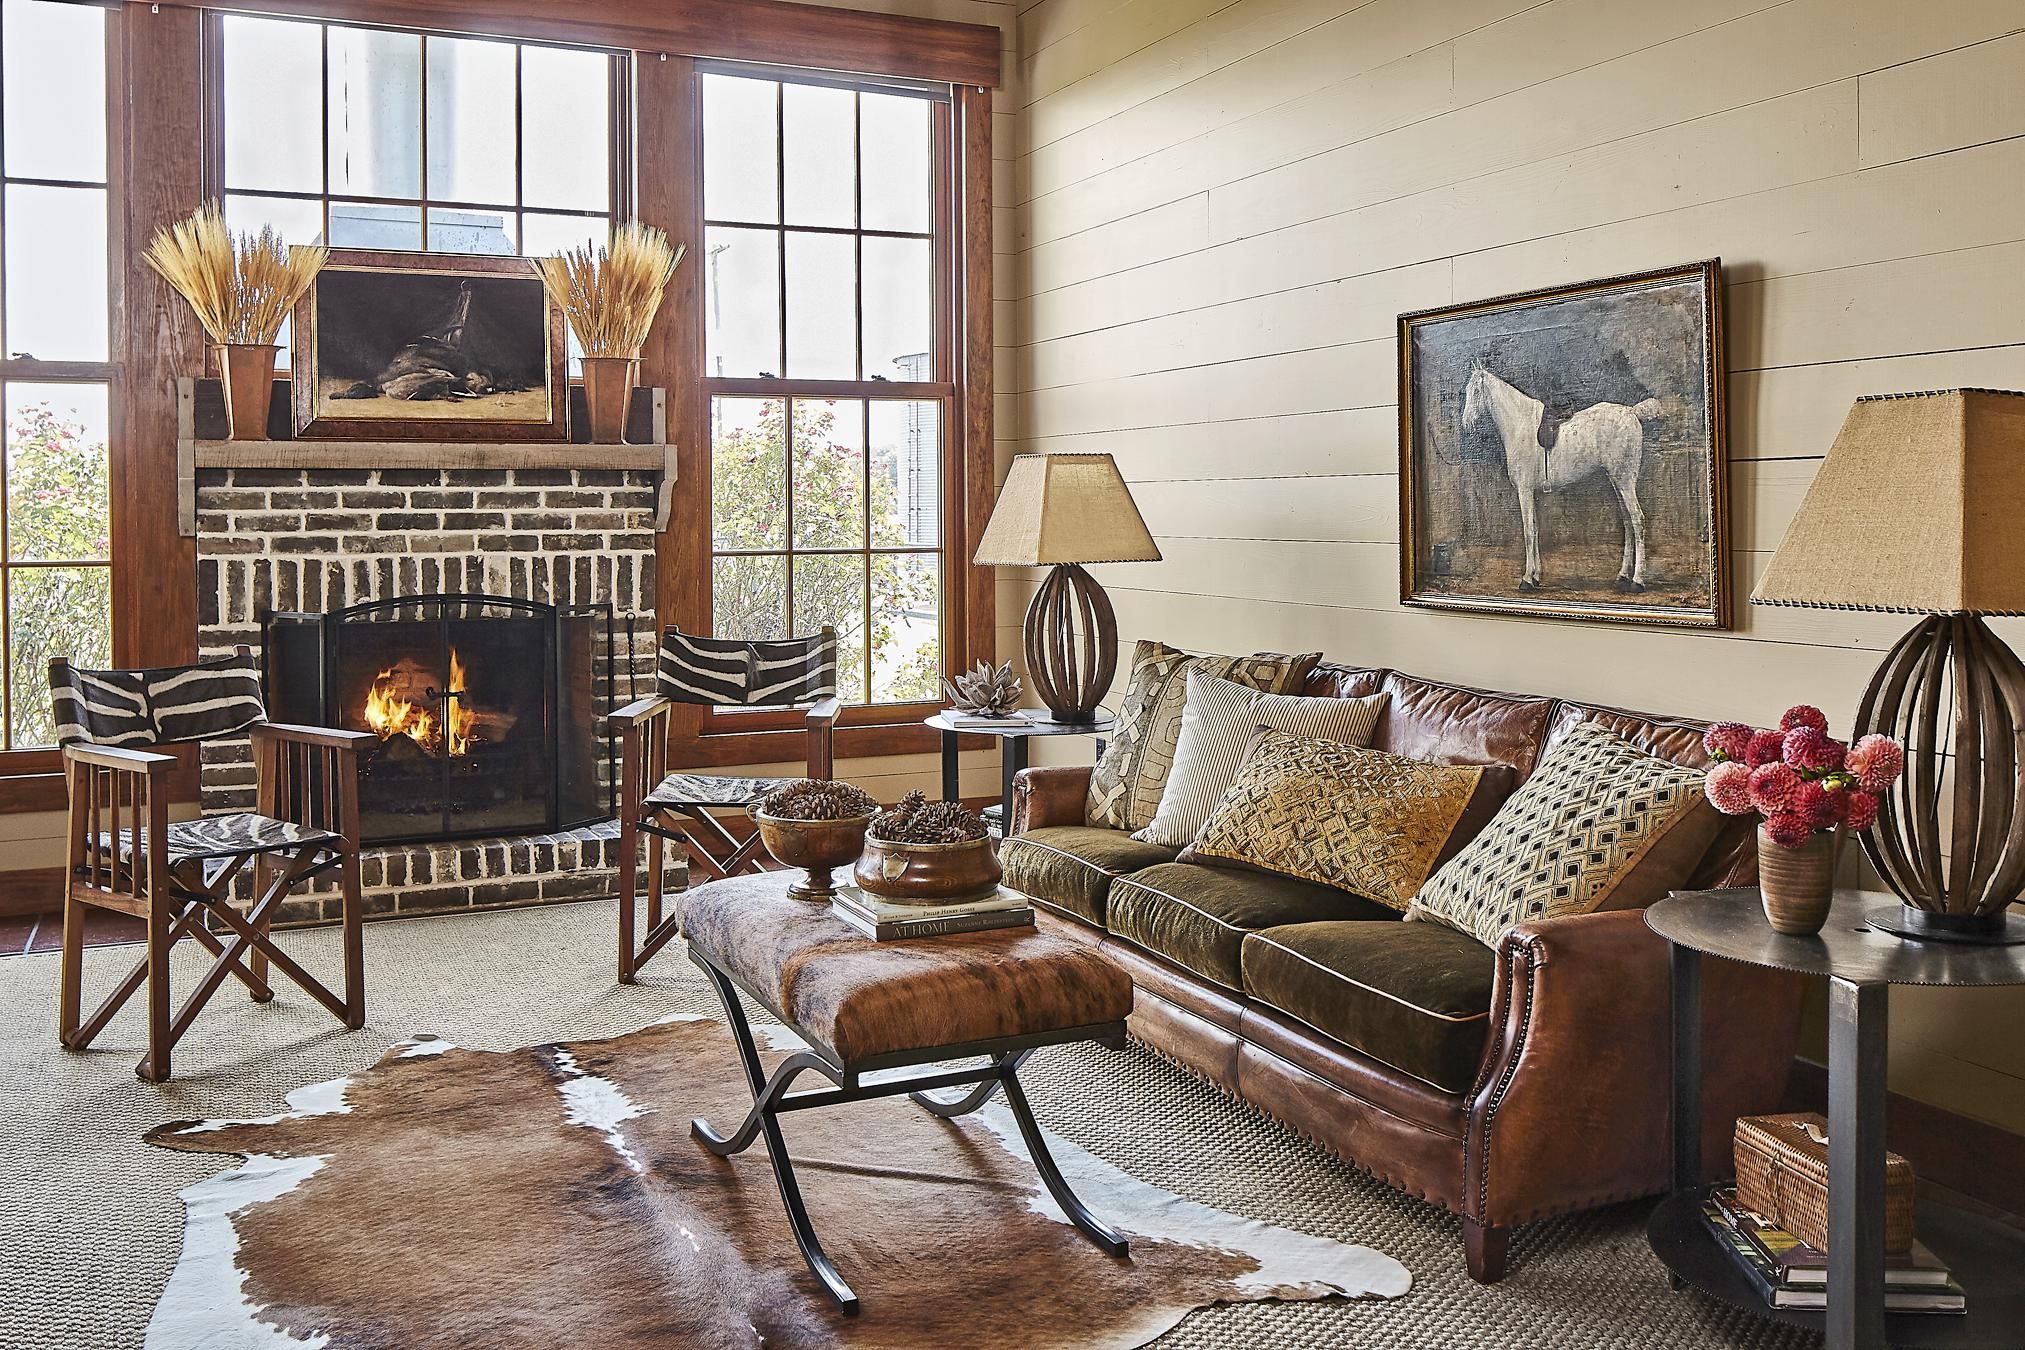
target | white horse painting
x=1604, y=438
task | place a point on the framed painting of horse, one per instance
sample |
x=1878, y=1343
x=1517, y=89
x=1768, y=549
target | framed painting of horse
x=1561, y=452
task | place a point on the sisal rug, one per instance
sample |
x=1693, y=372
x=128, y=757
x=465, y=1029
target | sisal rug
x=377, y=1212
x=91, y=1220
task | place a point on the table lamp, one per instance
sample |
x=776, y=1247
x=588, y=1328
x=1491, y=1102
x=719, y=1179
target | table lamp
x=1059, y=512
x=1918, y=509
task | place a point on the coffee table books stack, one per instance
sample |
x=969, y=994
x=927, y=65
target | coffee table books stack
x=1791, y=1274
x=885, y=921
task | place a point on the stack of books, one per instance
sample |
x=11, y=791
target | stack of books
x=1791, y=1274
x=964, y=720
x=884, y=921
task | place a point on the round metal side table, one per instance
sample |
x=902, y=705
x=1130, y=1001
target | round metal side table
x=1012, y=736
x=1861, y=965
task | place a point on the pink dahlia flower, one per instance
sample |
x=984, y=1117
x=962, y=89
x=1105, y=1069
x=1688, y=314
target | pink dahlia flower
x=1877, y=761
x=1788, y=829
x=1804, y=715
x=1765, y=747
x=1818, y=805
x=1727, y=740
x=1773, y=787
x=1729, y=786
x=1860, y=811
x=1810, y=750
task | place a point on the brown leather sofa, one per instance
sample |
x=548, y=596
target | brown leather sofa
x=1504, y=1086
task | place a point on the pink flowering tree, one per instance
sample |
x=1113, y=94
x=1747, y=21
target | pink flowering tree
x=1801, y=779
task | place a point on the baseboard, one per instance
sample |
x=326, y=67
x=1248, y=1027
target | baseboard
x=30, y=890
x=1952, y=1150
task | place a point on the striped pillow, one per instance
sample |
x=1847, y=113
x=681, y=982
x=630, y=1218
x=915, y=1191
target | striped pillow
x=156, y=707
x=1217, y=725
x=728, y=672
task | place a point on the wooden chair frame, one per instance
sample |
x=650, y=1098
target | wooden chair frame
x=644, y=727
x=306, y=776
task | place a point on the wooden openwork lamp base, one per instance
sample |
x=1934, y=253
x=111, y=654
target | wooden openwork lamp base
x=1071, y=643
x=1950, y=689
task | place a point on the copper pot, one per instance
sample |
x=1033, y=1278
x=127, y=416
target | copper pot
x=819, y=847
x=1797, y=884
x=927, y=874
x=247, y=371
x=608, y=395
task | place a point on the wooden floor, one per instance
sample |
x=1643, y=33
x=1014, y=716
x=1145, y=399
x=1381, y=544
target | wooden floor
x=44, y=932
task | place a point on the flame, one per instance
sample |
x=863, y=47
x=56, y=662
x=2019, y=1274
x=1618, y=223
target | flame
x=389, y=713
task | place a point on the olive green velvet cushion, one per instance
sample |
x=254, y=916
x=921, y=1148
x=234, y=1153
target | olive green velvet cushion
x=1197, y=917
x=1416, y=996
x=1070, y=867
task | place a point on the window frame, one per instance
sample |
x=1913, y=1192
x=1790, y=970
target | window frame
x=944, y=391
x=30, y=778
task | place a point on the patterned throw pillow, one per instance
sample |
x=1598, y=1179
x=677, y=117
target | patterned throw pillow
x=1126, y=786
x=1572, y=835
x=1218, y=721
x=1359, y=820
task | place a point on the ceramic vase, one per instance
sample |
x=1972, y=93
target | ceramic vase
x=247, y=371
x=608, y=394
x=1797, y=884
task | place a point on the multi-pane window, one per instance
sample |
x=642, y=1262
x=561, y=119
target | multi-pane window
x=825, y=306
x=380, y=139
x=56, y=378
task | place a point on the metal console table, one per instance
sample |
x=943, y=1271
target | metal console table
x=1861, y=965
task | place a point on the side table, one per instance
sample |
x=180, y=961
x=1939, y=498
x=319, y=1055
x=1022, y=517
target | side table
x=1861, y=965
x=1012, y=749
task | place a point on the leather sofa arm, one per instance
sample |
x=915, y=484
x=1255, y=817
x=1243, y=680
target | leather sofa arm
x=1053, y=795
x=1571, y=1105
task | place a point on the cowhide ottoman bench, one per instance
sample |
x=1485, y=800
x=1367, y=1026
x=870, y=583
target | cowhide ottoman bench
x=866, y=1006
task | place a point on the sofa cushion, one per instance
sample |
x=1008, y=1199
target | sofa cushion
x=1334, y=814
x=1071, y=867
x=1595, y=825
x=1126, y=785
x=1451, y=724
x=1416, y=996
x=1197, y=917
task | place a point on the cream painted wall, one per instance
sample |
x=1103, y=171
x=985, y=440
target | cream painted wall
x=1223, y=206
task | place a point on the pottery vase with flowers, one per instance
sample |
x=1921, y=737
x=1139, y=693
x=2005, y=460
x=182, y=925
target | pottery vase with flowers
x=1811, y=790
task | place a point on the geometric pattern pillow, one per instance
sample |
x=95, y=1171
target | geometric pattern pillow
x=1126, y=785
x=1218, y=721
x=1360, y=820
x=1571, y=835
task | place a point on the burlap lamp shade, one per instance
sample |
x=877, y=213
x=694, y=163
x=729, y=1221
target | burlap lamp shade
x=1060, y=511
x=1918, y=509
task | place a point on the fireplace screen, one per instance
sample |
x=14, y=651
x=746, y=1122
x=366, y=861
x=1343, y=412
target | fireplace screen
x=486, y=710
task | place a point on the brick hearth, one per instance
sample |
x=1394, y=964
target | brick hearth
x=319, y=539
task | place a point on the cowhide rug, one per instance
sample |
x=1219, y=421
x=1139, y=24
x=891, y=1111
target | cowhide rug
x=552, y=1196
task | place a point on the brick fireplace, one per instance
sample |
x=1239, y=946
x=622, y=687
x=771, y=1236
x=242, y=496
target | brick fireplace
x=316, y=540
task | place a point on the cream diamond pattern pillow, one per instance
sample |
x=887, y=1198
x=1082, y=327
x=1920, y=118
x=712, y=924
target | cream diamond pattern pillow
x=1569, y=836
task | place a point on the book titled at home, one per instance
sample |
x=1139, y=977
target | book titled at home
x=884, y=921
x=1802, y=1264
x=1783, y=1293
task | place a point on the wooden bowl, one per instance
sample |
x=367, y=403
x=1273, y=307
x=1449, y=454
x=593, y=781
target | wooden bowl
x=927, y=874
x=819, y=847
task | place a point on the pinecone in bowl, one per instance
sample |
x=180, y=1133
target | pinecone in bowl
x=817, y=799
x=916, y=820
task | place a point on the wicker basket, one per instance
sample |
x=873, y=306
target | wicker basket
x=1782, y=1173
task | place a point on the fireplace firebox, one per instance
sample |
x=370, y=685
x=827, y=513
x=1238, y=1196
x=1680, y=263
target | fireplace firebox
x=487, y=710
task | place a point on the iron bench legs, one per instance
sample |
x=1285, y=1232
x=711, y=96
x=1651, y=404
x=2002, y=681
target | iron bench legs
x=770, y=1098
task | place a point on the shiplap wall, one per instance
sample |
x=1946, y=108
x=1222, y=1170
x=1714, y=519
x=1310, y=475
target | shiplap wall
x=1223, y=206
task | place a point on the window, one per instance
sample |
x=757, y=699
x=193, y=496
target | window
x=56, y=378
x=826, y=361
x=380, y=139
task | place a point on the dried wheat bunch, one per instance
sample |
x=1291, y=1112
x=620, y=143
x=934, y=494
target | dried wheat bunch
x=242, y=287
x=611, y=296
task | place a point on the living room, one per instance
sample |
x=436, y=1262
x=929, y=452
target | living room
x=1258, y=672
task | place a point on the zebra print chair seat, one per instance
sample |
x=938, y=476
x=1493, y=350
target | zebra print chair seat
x=708, y=673
x=125, y=854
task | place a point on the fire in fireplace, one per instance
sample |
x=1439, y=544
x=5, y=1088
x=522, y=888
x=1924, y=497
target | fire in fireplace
x=489, y=710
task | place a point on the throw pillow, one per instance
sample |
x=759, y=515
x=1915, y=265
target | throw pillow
x=1359, y=820
x=1126, y=786
x=1573, y=835
x=1218, y=721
